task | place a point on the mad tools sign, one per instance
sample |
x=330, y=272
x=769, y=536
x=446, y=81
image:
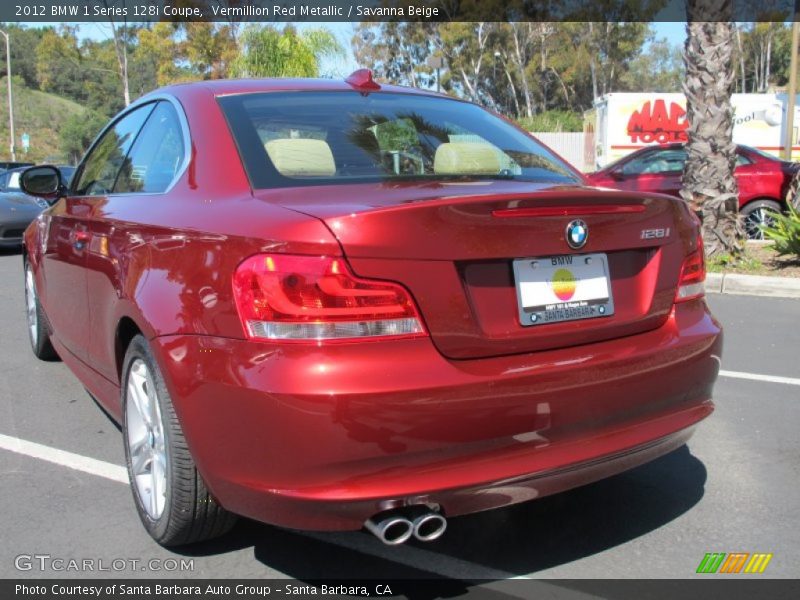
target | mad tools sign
x=654, y=123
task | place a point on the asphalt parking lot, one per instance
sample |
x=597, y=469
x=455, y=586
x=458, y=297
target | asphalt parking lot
x=734, y=488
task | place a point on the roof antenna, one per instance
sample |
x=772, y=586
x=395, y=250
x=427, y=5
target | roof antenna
x=362, y=80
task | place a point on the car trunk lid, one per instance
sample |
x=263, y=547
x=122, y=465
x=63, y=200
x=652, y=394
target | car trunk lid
x=454, y=246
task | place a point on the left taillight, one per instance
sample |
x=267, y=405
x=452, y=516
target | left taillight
x=309, y=298
x=691, y=284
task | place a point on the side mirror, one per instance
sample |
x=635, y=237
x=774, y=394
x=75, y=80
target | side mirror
x=44, y=182
x=616, y=175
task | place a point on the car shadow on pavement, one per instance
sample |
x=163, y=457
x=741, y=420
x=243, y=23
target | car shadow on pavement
x=518, y=540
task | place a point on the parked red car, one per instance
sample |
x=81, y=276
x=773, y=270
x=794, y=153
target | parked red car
x=332, y=305
x=763, y=179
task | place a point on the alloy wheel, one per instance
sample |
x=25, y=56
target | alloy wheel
x=754, y=221
x=30, y=306
x=147, y=444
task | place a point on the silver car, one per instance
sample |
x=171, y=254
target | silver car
x=17, y=208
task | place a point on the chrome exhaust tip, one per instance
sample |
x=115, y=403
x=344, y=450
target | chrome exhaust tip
x=429, y=526
x=392, y=529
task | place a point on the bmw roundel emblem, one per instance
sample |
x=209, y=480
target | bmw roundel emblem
x=577, y=233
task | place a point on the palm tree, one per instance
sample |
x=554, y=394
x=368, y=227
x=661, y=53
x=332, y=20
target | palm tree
x=708, y=183
x=793, y=194
x=269, y=52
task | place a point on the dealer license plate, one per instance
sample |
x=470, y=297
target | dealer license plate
x=562, y=288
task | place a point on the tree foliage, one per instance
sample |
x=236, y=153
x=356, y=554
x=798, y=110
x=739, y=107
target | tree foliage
x=78, y=132
x=526, y=68
x=266, y=51
x=24, y=41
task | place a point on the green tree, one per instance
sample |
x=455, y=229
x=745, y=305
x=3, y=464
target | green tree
x=102, y=87
x=58, y=63
x=469, y=49
x=23, y=41
x=268, y=52
x=397, y=51
x=157, y=53
x=658, y=69
x=78, y=132
x=209, y=49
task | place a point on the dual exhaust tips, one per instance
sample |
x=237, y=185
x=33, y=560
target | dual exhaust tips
x=397, y=526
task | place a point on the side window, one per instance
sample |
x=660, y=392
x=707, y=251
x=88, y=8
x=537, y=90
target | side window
x=156, y=156
x=12, y=183
x=742, y=160
x=101, y=167
x=659, y=161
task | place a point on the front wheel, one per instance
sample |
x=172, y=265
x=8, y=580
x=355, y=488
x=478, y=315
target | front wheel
x=170, y=496
x=757, y=214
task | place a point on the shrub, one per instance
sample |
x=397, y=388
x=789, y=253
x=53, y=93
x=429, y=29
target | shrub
x=552, y=121
x=784, y=231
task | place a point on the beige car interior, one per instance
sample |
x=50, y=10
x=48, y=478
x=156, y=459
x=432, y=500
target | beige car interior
x=466, y=158
x=303, y=157
x=298, y=157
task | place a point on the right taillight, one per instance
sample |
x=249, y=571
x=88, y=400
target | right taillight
x=693, y=275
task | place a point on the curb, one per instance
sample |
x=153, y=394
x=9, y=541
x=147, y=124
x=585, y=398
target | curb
x=752, y=285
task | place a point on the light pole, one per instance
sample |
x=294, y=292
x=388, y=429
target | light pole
x=788, y=134
x=10, y=98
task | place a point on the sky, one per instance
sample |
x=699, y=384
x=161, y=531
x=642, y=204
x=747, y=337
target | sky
x=675, y=34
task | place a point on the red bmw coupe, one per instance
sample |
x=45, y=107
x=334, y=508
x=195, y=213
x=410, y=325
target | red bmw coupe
x=333, y=305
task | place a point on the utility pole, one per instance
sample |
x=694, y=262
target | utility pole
x=788, y=139
x=10, y=97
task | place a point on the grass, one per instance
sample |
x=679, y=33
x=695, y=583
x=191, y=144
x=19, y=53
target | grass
x=38, y=114
x=758, y=259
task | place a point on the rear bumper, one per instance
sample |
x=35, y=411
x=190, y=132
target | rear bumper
x=323, y=437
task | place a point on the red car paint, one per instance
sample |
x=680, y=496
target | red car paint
x=477, y=413
x=759, y=176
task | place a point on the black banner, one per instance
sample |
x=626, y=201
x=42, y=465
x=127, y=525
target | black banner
x=57, y=11
x=257, y=589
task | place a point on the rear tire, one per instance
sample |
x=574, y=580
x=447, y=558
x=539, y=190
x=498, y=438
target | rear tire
x=38, y=327
x=757, y=213
x=170, y=496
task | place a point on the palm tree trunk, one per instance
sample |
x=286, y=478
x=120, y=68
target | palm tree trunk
x=708, y=183
x=793, y=193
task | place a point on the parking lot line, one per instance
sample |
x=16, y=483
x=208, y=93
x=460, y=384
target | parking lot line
x=759, y=377
x=64, y=459
x=411, y=557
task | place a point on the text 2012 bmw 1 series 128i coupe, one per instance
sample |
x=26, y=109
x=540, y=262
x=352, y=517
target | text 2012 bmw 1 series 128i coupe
x=333, y=305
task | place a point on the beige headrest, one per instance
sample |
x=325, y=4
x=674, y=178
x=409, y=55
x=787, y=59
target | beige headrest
x=301, y=157
x=466, y=158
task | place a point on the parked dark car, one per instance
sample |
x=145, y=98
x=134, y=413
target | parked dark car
x=8, y=165
x=17, y=208
x=330, y=305
x=763, y=179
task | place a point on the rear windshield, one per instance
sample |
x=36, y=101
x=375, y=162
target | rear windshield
x=313, y=138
